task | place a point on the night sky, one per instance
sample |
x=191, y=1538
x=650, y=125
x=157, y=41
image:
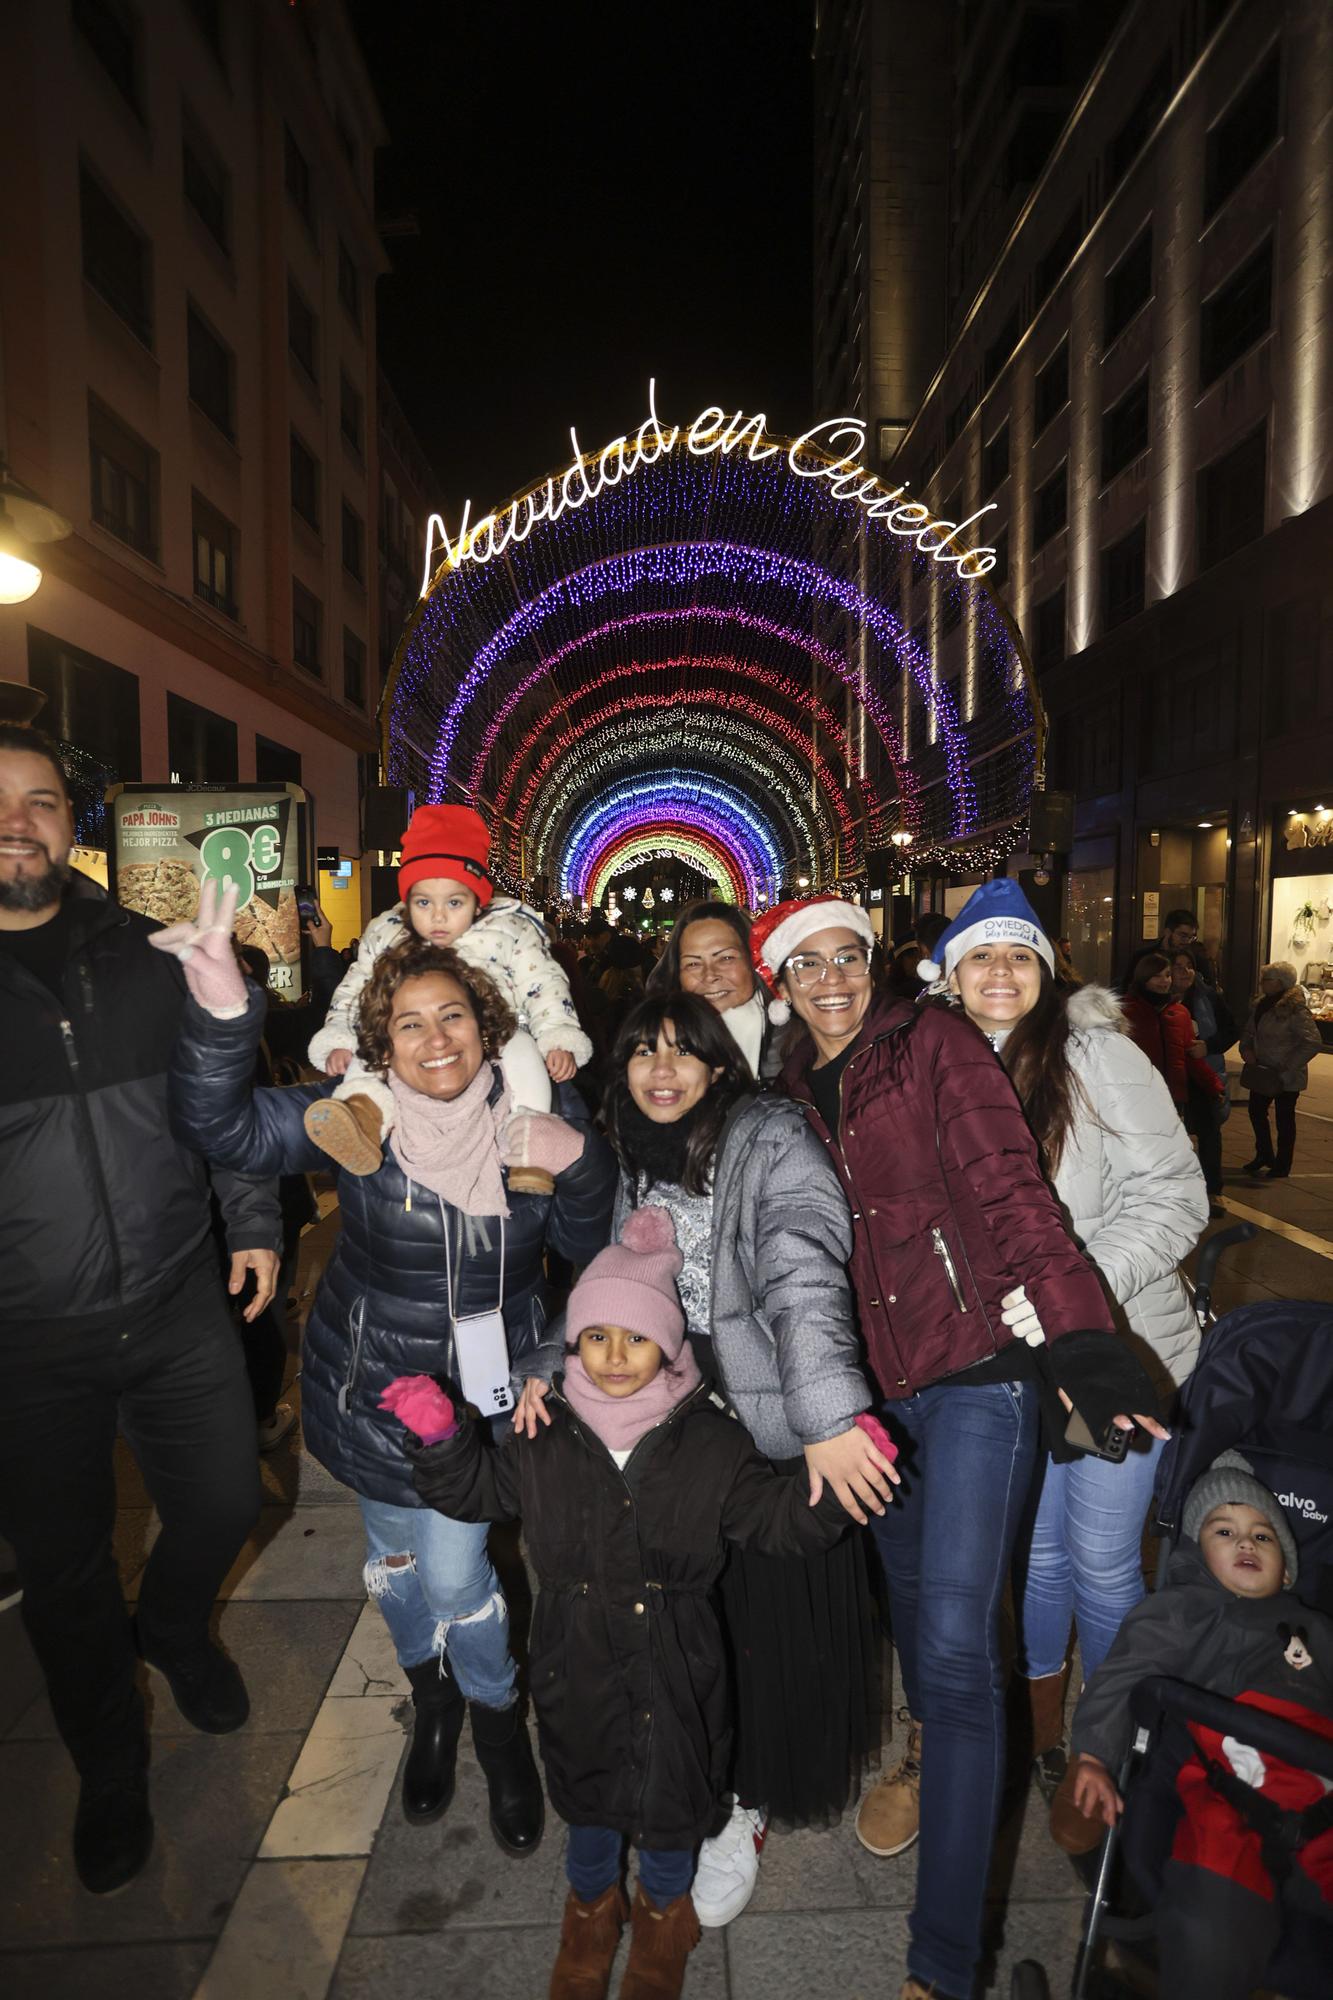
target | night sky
x=603, y=194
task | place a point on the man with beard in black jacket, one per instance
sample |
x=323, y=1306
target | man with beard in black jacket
x=111, y=1314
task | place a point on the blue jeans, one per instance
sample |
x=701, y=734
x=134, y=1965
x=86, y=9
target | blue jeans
x=1084, y=1560
x=593, y=1862
x=946, y=1544
x=446, y=1602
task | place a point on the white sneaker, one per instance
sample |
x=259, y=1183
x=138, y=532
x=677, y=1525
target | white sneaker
x=729, y=1867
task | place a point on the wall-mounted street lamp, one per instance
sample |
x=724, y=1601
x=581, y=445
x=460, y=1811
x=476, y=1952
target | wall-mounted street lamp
x=26, y=524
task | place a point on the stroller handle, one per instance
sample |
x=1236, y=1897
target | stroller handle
x=1210, y=1256
x=1271, y=1735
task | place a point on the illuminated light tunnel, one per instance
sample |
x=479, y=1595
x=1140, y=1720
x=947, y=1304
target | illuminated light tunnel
x=721, y=658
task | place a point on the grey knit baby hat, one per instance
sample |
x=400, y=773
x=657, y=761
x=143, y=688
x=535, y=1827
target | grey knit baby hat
x=1230, y=1479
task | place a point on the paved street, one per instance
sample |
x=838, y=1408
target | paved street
x=283, y=1867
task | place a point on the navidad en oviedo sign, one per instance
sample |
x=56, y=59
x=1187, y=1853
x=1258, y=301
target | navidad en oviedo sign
x=831, y=451
x=168, y=840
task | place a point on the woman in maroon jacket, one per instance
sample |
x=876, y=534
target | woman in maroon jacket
x=963, y=1273
x=1164, y=1029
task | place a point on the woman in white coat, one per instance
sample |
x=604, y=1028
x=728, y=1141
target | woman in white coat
x=1123, y=1168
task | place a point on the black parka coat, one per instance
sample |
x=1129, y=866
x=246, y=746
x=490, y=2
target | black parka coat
x=627, y=1666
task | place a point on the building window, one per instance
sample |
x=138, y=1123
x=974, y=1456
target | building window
x=951, y=608
x=1231, y=499
x=210, y=367
x=306, y=619
x=275, y=764
x=115, y=257
x=995, y=460
x=1048, y=631
x=1129, y=141
x=111, y=33
x=354, y=543
x=1051, y=268
x=1123, y=573
x=1239, y=313
x=1128, y=287
x=354, y=669
x=1050, y=509
x=214, y=557
x=305, y=482
x=207, y=189
x=1003, y=345
x=350, y=411
x=201, y=746
x=302, y=330
x=296, y=174
x=1000, y=573
x=1241, y=138
x=956, y=422
x=124, y=481
x=349, y=284
x=920, y=636
x=89, y=702
x=1125, y=431
x=1053, y=387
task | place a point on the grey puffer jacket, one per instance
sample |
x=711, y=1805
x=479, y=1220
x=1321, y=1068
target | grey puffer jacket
x=1284, y=1038
x=783, y=1321
x=1131, y=1187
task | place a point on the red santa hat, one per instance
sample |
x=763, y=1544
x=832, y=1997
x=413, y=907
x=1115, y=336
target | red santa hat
x=779, y=932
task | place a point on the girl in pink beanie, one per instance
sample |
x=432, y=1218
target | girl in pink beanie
x=628, y=1496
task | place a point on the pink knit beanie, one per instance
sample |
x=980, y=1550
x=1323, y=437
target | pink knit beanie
x=633, y=1284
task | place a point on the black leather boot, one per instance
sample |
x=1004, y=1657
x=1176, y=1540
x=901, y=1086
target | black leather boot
x=428, y=1775
x=206, y=1683
x=113, y=1829
x=518, y=1809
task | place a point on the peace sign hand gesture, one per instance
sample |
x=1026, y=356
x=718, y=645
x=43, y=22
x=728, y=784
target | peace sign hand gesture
x=203, y=946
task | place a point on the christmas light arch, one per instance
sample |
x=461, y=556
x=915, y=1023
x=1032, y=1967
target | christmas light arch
x=716, y=638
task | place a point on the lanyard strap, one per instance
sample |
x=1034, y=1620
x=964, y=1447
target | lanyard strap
x=449, y=1267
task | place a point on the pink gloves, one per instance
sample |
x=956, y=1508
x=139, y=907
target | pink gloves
x=421, y=1404
x=203, y=946
x=540, y=1139
x=877, y=1434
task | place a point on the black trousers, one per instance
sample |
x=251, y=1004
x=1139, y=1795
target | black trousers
x=174, y=1381
x=1284, y=1114
x=1201, y=1112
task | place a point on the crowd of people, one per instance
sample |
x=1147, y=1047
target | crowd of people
x=772, y=1281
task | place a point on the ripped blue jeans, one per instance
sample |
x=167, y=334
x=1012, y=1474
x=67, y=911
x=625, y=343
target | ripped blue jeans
x=446, y=1602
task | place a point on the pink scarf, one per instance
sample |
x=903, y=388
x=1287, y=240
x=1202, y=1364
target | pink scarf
x=620, y=1421
x=452, y=1146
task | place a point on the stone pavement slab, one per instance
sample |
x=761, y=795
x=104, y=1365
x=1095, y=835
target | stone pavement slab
x=105, y=1972
x=282, y=1939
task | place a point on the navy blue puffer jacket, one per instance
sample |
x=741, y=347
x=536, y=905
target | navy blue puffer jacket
x=383, y=1307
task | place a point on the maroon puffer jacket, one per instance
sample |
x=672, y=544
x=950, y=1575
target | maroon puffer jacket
x=949, y=1206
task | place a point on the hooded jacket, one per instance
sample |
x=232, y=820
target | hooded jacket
x=1283, y=1038
x=508, y=943
x=383, y=1308
x=950, y=1210
x=1130, y=1184
x=626, y=1663
x=102, y=1209
x=1166, y=1035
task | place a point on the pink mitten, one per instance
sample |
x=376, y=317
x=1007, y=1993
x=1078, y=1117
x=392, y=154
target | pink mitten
x=421, y=1404
x=203, y=946
x=877, y=1434
x=539, y=1139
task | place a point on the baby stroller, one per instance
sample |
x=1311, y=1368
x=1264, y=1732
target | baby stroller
x=1264, y=1386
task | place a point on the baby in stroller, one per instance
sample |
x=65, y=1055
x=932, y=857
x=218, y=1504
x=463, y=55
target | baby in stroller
x=1252, y=1848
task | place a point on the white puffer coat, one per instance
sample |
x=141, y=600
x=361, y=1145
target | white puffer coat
x=1131, y=1186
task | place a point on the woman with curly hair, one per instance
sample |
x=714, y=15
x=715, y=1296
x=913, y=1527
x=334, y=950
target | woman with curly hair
x=438, y=1271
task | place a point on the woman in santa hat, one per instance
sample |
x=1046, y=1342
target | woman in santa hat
x=975, y=1304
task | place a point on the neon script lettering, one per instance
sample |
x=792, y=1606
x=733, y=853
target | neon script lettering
x=816, y=454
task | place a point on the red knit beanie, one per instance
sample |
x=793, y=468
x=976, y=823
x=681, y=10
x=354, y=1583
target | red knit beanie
x=633, y=1284
x=449, y=843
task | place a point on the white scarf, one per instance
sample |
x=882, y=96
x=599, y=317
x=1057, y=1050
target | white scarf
x=745, y=1024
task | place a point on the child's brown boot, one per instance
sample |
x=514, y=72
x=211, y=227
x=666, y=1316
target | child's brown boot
x=588, y=1939
x=348, y=1129
x=660, y=1943
x=1072, y=1829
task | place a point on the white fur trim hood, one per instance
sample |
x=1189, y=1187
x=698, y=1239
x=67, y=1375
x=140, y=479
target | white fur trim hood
x=1092, y=1007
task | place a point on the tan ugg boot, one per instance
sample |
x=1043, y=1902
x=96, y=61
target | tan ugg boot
x=1071, y=1829
x=349, y=1130
x=912, y=1989
x=889, y=1816
x=660, y=1943
x=588, y=1939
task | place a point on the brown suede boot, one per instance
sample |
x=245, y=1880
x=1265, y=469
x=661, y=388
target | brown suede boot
x=588, y=1939
x=888, y=1818
x=1046, y=1698
x=349, y=1130
x=660, y=1943
x=1071, y=1829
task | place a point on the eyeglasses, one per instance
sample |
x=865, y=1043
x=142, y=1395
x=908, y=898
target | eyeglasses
x=810, y=970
